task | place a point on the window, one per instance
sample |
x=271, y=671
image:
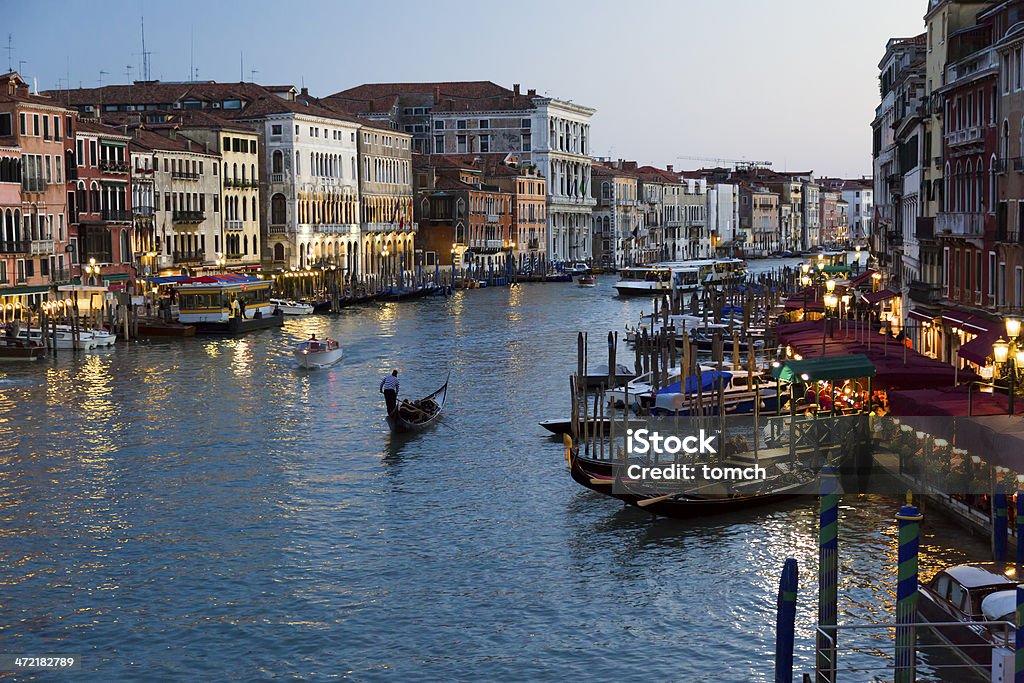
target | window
x=232, y=104
x=484, y=123
x=56, y=128
x=46, y=127
x=439, y=124
x=35, y=128
x=21, y=125
x=485, y=143
x=461, y=124
x=5, y=125
x=93, y=156
x=278, y=210
x=461, y=144
x=527, y=142
x=525, y=123
x=438, y=144
x=275, y=129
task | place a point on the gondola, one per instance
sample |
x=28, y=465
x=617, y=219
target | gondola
x=415, y=416
x=599, y=476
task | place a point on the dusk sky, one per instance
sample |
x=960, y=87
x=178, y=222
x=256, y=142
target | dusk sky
x=793, y=82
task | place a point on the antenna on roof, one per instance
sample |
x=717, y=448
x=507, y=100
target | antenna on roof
x=145, y=55
x=128, y=73
x=21, y=65
x=102, y=74
x=241, y=68
x=192, y=53
x=10, y=51
x=252, y=74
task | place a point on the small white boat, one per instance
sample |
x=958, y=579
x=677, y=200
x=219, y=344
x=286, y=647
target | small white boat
x=315, y=353
x=64, y=338
x=289, y=307
x=99, y=337
x=587, y=280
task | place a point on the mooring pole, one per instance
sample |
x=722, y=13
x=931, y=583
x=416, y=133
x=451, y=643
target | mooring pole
x=785, y=623
x=999, y=527
x=909, y=529
x=1018, y=645
x=828, y=574
x=1020, y=531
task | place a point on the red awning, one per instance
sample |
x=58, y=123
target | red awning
x=861, y=278
x=922, y=316
x=882, y=295
x=979, y=349
x=968, y=322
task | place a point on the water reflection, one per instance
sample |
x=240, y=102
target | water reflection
x=206, y=509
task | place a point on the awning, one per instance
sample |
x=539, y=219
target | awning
x=21, y=290
x=116, y=277
x=709, y=381
x=81, y=288
x=968, y=322
x=922, y=316
x=979, y=349
x=837, y=269
x=167, y=279
x=881, y=295
x=828, y=368
x=866, y=275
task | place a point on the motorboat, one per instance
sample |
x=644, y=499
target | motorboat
x=292, y=307
x=740, y=395
x=587, y=280
x=12, y=349
x=977, y=599
x=61, y=337
x=317, y=353
x=579, y=268
x=99, y=337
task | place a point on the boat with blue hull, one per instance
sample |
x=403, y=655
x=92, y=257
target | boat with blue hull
x=741, y=394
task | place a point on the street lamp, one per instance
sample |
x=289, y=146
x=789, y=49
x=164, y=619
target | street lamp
x=92, y=270
x=1011, y=352
x=831, y=301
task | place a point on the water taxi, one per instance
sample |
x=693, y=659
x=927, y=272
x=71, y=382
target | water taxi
x=290, y=307
x=316, y=353
x=208, y=302
x=681, y=276
x=644, y=280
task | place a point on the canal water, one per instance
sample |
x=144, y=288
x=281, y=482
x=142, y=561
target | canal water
x=201, y=509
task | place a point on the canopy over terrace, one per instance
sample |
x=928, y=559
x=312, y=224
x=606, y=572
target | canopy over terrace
x=824, y=369
x=896, y=366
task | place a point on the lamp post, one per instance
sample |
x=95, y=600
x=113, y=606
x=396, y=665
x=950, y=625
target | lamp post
x=220, y=262
x=92, y=269
x=1011, y=352
x=831, y=301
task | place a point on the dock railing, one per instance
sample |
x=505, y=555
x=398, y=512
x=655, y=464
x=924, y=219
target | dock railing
x=867, y=653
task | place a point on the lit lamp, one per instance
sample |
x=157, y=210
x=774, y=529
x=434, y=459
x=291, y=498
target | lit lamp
x=92, y=270
x=1001, y=354
x=831, y=301
x=830, y=285
x=876, y=277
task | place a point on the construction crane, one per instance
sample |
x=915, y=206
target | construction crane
x=738, y=163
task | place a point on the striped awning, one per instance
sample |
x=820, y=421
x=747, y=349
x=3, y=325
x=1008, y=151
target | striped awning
x=22, y=290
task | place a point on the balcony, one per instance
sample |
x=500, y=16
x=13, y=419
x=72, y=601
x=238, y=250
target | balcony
x=925, y=292
x=184, y=175
x=112, y=166
x=41, y=247
x=336, y=229
x=188, y=217
x=188, y=256
x=60, y=276
x=389, y=227
x=33, y=184
x=142, y=211
x=999, y=165
x=533, y=245
x=20, y=247
x=117, y=216
x=960, y=224
x=143, y=172
x=1018, y=164
x=965, y=136
x=277, y=177
x=492, y=218
x=233, y=226
x=277, y=229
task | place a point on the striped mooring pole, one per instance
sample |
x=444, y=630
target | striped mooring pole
x=1018, y=643
x=908, y=522
x=785, y=623
x=1020, y=532
x=828, y=575
x=999, y=526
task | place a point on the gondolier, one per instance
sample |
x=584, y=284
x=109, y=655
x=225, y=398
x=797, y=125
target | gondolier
x=389, y=387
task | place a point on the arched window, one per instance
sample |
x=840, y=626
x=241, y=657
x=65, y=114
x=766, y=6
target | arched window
x=968, y=187
x=277, y=164
x=234, y=172
x=245, y=206
x=279, y=252
x=278, y=210
x=252, y=173
x=1005, y=147
x=126, y=250
x=298, y=169
x=254, y=214
x=958, y=204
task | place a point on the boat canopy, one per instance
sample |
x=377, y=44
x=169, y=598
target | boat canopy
x=709, y=381
x=999, y=605
x=167, y=279
x=831, y=369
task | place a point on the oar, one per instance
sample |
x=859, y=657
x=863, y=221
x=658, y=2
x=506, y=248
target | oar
x=651, y=501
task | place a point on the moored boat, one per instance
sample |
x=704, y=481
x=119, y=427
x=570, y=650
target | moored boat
x=208, y=302
x=61, y=338
x=317, y=353
x=414, y=416
x=587, y=281
x=963, y=598
x=292, y=307
x=18, y=350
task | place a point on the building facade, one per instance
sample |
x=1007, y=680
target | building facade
x=387, y=226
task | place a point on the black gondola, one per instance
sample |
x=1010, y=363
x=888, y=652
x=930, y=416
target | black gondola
x=598, y=475
x=414, y=416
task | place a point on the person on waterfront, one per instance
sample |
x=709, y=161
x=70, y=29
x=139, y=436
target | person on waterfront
x=241, y=307
x=389, y=387
x=234, y=307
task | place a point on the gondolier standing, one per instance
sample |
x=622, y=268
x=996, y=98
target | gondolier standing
x=389, y=387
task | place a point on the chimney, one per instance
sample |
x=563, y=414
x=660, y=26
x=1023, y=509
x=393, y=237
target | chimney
x=437, y=93
x=532, y=92
x=304, y=92
x=515, y=89
x=669, y=168
x=188, y=143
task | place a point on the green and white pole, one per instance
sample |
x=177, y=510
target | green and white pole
x=785, y=623
x=828, y=574
x=1018, y=643
x=908, y=521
